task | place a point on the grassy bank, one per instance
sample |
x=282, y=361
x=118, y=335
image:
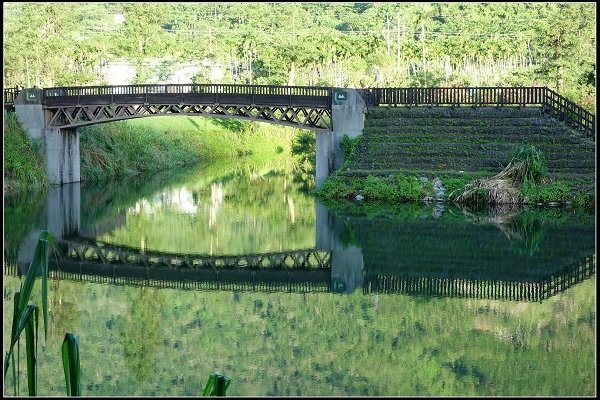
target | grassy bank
x=145, y=146
x=525, y=180
x=23, y=158
x=414, y=187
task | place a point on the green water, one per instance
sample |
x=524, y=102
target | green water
x=374, y=338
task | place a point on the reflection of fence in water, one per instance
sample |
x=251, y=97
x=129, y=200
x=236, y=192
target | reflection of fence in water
x=544, y=287
x=255, y=286
x=318, y=280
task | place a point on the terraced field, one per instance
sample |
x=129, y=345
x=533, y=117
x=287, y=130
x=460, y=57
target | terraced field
x=466, y=139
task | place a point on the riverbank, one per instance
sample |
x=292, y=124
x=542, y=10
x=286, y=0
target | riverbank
x=143, y=146
x=339, y=191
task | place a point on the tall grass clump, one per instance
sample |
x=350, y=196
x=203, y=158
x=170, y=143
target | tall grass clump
x=527, y=166
x=71, y=365
x=23, y=158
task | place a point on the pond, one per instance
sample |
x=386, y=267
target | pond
x=239, y=271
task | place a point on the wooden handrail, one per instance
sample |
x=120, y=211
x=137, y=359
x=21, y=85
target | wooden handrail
x=551, y=102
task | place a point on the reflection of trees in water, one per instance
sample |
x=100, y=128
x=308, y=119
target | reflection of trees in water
x=140, y=331
x=525, y=230
x=304, y=150
x=22, y=212
x=64, y=299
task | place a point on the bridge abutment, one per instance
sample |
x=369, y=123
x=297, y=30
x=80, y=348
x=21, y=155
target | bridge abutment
x=60, y=145
x=348, y=118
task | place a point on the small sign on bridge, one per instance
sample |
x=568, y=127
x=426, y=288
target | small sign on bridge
x=31, y=95
x=340, y=96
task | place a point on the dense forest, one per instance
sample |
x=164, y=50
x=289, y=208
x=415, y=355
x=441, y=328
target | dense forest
x=328, y=44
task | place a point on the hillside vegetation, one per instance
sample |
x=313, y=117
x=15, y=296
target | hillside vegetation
x=330, y=44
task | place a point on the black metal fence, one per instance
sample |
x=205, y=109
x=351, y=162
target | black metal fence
x=551, y=102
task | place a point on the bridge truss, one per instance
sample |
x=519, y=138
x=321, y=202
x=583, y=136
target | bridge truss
x=296, y=106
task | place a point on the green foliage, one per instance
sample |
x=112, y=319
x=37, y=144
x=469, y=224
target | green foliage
x=304, y=152
x=335, y=189
x=378, y=189
x=149, y=145
x=409, y=188
x=23, y=160
x=395, y=188
x=25, y=316
x=455, y=186
x=71, y=365
x=216, y=385
x=546, y=192
x=349, y=145
x=479, y=44
x=585, y=200
x=533, y=164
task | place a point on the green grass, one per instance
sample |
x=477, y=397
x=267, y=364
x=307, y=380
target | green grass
x=143, y=146
x=148, y=145
x=23, y=160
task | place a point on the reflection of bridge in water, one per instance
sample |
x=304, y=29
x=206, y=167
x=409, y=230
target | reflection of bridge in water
x=306, y=270
x=453, y=258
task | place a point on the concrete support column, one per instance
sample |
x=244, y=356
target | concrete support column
x=63, y=163
x=61, y=146
x=324, y=162
x=348, y=118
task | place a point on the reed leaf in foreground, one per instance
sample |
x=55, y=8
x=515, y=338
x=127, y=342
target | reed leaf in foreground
x=30, y=351
x=71, y=365
x=25, y=316
x=217, y=385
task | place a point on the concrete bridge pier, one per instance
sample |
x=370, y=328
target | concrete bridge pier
x=348, y=118
x=347, y=265
x=61, y=146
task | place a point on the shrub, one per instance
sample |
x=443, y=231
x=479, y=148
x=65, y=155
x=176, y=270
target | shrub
x=377, y=189
x=544, y=193
x=409, y=188
x=335, y=189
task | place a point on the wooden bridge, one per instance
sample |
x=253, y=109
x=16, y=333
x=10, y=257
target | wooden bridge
x=298, y=106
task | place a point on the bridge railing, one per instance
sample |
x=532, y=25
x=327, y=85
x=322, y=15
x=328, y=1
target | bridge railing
x=570, y=113
x=551, y=102
x=10, y=94
x=218, y=93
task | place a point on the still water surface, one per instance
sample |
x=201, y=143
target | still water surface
x=417, y=301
